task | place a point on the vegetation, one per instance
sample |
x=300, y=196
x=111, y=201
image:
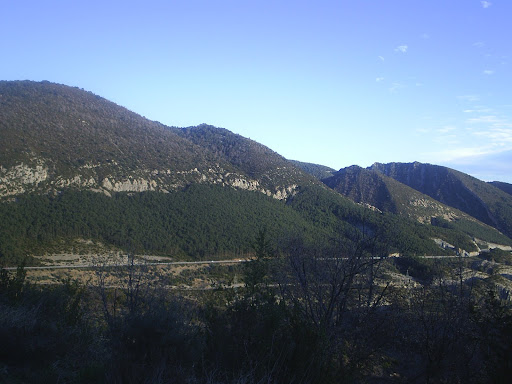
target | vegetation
x=367, y=186
x=481, y=200
x=77, y=136
x=69, y=128
x=304, y=316
x=317, y=301
x=505, y=187
x=498, y=256
x=202, y=221
x=319, y=172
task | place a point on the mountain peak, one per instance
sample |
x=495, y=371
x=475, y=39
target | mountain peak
x=54, y=136
x=481, y=200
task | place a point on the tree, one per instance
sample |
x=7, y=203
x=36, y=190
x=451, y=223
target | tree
x=256, y=269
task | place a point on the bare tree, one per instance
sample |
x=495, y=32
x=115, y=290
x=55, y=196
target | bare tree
x=337, y=293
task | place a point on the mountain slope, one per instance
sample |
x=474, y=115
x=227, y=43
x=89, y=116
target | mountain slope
x=481, y=200
x=58, y=144
x=505, y=187
x=53, y=136
x=316, y=170
x=267, y=168
x=372, y=188
x=74, y=165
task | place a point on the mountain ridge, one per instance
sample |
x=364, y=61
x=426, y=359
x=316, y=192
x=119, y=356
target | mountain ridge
x=186, y=192
x=477, y=198
x=51, y=146
x=376, y=190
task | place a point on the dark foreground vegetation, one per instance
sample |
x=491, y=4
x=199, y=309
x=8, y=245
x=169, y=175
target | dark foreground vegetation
x=304, y=316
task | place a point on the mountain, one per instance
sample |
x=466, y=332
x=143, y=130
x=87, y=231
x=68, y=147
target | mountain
x=383, y=193
x=375, y=189
x=56, y=136
x=316, y=170
x=76, y=166
x=479, y=199
x=505, y=187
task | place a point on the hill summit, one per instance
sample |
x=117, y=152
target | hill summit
x=54, y=136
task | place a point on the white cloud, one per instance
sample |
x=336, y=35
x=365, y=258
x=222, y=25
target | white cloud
x=482, y=109
x=425, y=36
x=401, y=48
x=478, y=109
x=446, y=129
x=422, y=130
x=379, y=79
x=454, y=154
x=496, y=164
x=395, y=87
x=479, y=44
x=488, y=72
x=469, y=97
x=486, y=4
x=381, y=58
x=445, y=139
x=486, y=119
x=498, y=137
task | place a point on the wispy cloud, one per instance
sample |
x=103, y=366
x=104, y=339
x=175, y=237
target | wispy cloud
x=425, y=36
x=481, y=141
x=492, y=130
x=478, y=109
x=445, y=139
x=446, y=129
x=488, y=72
x=423, y=130
x=379, y=79
x=459, y=153
x=395, y=87
x=490, y=164
x=479, y=44
x=486, y=119
x=486, y=4
x=499, y=137
x=469, y=97
x=381, y=58
x=402, y=48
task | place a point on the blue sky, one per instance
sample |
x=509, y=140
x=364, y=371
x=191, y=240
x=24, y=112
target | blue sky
x=330, y=82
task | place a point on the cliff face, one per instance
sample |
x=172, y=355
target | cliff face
x=24, y=178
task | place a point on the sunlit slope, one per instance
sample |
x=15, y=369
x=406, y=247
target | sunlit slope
x=477, y=198
x=374, y=189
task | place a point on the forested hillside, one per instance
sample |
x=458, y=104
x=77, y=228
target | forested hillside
x=74, y=165
x=372, y=188
x=481, y=200
x=505, y=187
